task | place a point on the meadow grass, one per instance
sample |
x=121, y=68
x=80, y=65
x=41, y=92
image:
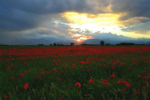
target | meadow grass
x=54, y=77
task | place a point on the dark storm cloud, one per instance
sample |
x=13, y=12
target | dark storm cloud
x=44, y=6
x=48, y=33
x=26, y=14
x=133, y=8
x=11, y=20
x=54, y=6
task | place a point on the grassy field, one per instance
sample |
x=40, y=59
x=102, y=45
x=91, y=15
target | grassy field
x=69, y=73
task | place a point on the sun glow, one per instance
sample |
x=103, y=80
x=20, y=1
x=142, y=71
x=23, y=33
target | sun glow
x=80, y=38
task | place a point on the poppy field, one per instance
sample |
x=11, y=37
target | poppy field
x=75, y=72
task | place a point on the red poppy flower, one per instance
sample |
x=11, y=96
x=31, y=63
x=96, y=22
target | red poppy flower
x=105, y=82
x=77, y=84
x=42, y=71
x=119, y=81
x=139, y=76
x=146, y=77
x=11, y=78
x=124, y=82
x=88, y=70
x=47, y=72
x=137, y=92
x=21, y=75
x=112, y=75
x=82, y=62
x=54, y=70
x=25, y=71
x=127, y=84
x=13, y=71
x=6, y=96
x=91, y=81
x=29, y=70
x=8, y=67
x=26, y=86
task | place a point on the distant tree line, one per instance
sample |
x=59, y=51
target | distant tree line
x=101, y=43
x=57, y=44
x=125, y=44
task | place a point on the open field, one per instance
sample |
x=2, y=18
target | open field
x=69, y=73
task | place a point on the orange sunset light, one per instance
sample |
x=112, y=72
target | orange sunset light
x=82, y=38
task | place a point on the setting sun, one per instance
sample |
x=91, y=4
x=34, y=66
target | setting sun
x=80, y=38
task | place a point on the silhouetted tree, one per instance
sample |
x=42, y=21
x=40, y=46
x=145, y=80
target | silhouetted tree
x=84, y=44
x=54, y=44
x=58, y=44
x=72, y=44
x=126, y=44
x=108, y=44
x=102, y=43
x=40, y=44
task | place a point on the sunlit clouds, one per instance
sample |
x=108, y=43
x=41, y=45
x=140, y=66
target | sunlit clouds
x=102, y=23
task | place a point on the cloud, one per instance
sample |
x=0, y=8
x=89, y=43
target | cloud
x=44, y=6
x=34, y=36
x=18, y=15
x=141, y=27
x=133, y=8
x=109, y=38
x=25, y=14
x=49, y=31
x=37, y=19
x=81, y=23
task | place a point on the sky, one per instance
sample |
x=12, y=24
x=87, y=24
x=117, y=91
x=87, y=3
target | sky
x=78, y=21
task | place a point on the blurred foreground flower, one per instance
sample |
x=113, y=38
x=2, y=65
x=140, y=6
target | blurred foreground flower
x=6, y=96
x=112, y=76
x=26, y=86
x=104, y=82
x=91, y=81
x=77, y=84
